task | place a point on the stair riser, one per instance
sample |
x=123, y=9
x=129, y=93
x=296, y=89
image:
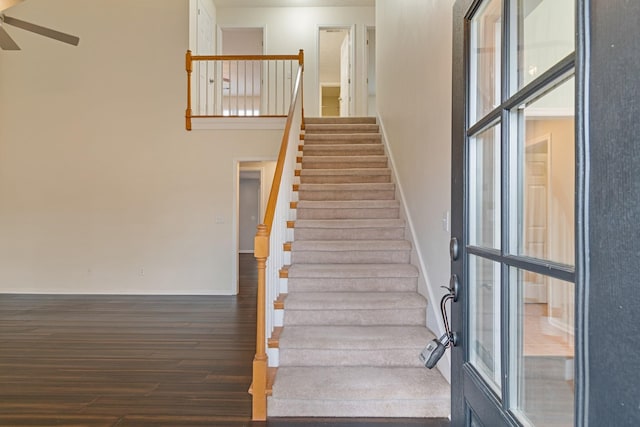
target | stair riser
x=340, y=213
x=347, y=195
x=341, y=131
x=381, y=357
x=339, y=120
x=343, y=163
x=318, y=140
x=405, y=284
x=349, y=257
x=363, y=409
x=352, y=128
x=386, y=233
x=362, y=150
x=368, y=317
x=344, y=179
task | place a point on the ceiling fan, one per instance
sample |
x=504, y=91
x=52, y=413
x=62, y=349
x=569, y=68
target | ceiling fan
x=7, y=43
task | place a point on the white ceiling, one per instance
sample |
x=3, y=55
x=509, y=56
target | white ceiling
x=293, y=3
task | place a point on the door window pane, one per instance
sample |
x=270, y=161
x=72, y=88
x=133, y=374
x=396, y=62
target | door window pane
x=545, y=35
x=484, y=319
x=484, y=189
x=542, y=348
x=486, y=42
x=546, y=170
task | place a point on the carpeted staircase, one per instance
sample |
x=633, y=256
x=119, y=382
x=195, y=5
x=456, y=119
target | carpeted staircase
x=354, y=323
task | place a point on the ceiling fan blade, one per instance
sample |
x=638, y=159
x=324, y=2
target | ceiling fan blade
x=6, y=4
x=43, y=31
x=6, y=42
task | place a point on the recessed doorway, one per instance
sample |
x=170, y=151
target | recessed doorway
x=335, y=70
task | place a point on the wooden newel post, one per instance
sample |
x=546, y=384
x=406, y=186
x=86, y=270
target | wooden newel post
x=189, y=68
x=259, y=387
x=301, y=62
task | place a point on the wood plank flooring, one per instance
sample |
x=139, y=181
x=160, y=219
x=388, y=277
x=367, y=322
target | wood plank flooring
x=77, y=360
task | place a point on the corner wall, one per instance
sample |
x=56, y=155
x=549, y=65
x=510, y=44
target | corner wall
x=101, y=188
x=413, y=70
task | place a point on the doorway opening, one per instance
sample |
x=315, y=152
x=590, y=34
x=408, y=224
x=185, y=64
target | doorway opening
x=253, y=183
x=335, y=70
x=248, y=208
x=330, y=100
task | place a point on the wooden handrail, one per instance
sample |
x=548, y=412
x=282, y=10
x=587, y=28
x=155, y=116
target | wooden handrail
x=243, y=57
x=277, y=178
x=190, y=59
x=261, y=253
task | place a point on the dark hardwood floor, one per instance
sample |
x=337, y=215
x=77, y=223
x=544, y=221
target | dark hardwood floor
x=77, y=360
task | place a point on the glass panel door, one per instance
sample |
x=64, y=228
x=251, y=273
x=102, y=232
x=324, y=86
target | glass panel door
x=518, y=216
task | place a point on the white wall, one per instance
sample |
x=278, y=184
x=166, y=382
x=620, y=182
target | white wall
x=413, y=61
x=101, y=188
x=288, y=30
x=241, y=41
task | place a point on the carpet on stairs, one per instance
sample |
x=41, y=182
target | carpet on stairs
x=354, y=323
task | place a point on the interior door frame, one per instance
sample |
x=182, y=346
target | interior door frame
x=235, y=216
x=351, y=29
x=369, y=64
x=468, y=389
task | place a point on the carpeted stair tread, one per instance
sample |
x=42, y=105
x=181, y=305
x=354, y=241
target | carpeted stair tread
x=351, y=271
x=348, y=204
x=350, y=223
x=353, y=284
x=350, y=245
x=341, y=128
x=359, y=392
x=354, y=139
x=339, y=120
x=362, y=194
x=344, y=162
x=355, y=337
x=347, y=209
x=354, y=301
x=382, y=346
x=365, y=317
x=337, y=176
x=346, y=172
x=352, y=186
x=352, y=278
x=349, y=229
x=343, y=150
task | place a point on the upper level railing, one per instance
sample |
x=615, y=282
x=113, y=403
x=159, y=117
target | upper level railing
x=240, y=85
